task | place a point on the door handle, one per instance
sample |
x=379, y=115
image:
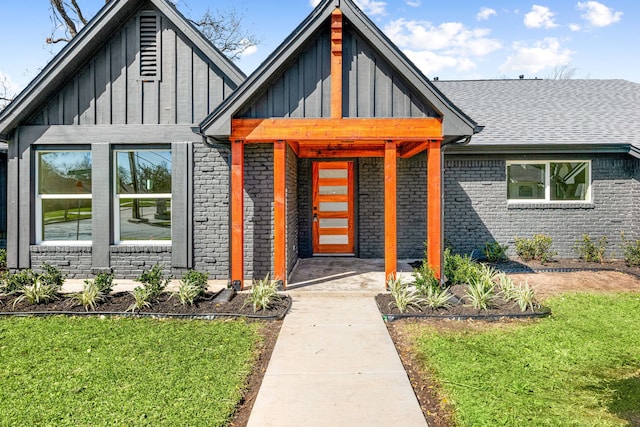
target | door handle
x=315, y=217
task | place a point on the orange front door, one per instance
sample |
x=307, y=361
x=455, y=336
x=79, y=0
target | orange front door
x=333, y=208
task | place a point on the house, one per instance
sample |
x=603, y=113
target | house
x=140, y=144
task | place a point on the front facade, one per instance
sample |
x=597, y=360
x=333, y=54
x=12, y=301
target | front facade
x=140, y=144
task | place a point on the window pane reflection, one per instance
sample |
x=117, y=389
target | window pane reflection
x=145, y=219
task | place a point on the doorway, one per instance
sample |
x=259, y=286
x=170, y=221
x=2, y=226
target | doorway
x=333, y=210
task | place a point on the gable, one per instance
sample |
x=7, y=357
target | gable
x=107, y=74
x=145, y=74
x=377, y=81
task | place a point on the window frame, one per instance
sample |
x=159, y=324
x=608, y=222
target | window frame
x=117, y=197
x=547, y=183
x=40, y=198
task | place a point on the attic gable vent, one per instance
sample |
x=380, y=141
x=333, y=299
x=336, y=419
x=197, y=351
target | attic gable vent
x=149, y=48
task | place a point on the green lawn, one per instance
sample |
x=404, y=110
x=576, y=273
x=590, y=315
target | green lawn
x=61, y=371
x=581, y=367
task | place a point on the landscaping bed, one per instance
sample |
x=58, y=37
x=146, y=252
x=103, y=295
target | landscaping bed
x=164, y=306
x=459, y=310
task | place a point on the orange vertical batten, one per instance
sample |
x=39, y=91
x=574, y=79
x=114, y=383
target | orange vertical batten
x=434, y=207
x=390, y=239
x=336, y=64
x=279, y=212
x=237, y=213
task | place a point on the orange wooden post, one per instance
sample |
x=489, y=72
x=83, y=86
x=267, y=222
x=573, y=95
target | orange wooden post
x=336, y=64
x=279, y=212
x=390, y=238
x=237, y=214
x=434, y=207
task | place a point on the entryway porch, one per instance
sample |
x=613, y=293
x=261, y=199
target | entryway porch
x=342, y=274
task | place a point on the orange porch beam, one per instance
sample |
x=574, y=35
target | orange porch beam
x=237, y=214
x=335, y=149
x=434, y=208
x=410, y=149
x=390, y=215
x=336, y=64
x=279, y=212
x=336, y=130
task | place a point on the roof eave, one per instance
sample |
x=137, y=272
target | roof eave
x=518, y=149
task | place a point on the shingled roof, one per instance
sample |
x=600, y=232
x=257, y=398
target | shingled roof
x=536, y=113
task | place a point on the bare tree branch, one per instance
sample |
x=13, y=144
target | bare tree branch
x=60, y=9
x=79, y=12
x=563, y=72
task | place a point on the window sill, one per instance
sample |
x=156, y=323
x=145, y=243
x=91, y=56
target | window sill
x=144, y=247
x=548, y=205
x=61, y=246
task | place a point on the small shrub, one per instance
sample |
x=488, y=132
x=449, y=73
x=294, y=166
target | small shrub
x=3, y=259
x=142, y=299
x=263, y=294
x=494, y=251
x=104, y=282
x=481, y=293
x=14, y=282
x=154, y=281
x=38, y=293
x=536, y=248
x=460, y=269
x=631, y=251
x=403, y=296
x=90, y=295
x=424, y=278
x=589, y=250
x=52, y=276
x=525, y=297
x=188, y=292
x=437, y=298
x=507, y=287
x=198, y=278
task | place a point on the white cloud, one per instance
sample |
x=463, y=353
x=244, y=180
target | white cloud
x=597, y=14
x=575, y=27
x=539, y=17
x=414, y=3
x=314, y=3
x=433, y=48
x=532, y=59
x=372, y=7
x=249, y=51
x=485, y=13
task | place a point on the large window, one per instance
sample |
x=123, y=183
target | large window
x=143, y=196
x=549, y=181
x=63, y=205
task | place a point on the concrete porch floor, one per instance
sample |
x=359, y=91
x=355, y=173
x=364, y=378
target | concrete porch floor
x=344, y=274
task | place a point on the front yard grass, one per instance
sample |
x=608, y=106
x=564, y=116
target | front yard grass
x=119, y=371
x=580, y=367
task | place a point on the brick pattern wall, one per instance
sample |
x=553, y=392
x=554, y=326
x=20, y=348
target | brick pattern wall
x=370, y=199
x=258, y=210
x=74, y=261
x=636, y=199
x=211, y=211
x=412, y=206
x=305, y=245
x=128, y=262
x=292, y=209
x=476, y=209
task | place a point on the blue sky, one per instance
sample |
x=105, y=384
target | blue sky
x=455, y=39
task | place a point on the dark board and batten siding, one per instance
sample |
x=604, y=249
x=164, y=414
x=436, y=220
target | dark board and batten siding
x=303, y=89
x=371, y=87
x=115, y=88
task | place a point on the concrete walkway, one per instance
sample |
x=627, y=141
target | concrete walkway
x=334, y=364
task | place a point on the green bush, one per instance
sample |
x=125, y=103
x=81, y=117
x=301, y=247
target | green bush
x=52, y=276
x=153, y=281
x=631, y=252
x=90, y=295
x=104, y=283
x=403, y=296
x=589, y=250
x=536, y=248
x=424, y=278
x=494, y=251
x=460, y=269
x=14, y=282
x=38, y=292
x=197, y=278
x=263, y=294
x=3, y=259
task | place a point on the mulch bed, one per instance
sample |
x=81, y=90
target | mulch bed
x=119, y=303
x=460, y=310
